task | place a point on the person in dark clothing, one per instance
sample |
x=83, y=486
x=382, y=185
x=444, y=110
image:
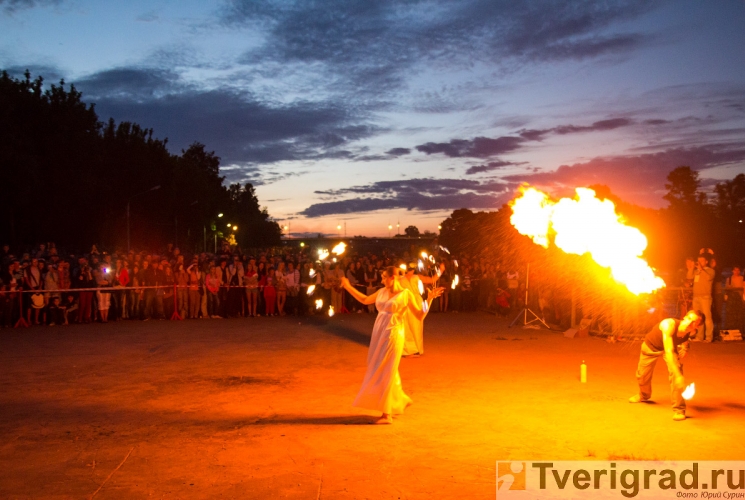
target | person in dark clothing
x=669, y=340
x=148, y=277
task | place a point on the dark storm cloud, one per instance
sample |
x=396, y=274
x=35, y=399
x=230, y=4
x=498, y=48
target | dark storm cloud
x=601, y=125
x=414, y=194
x=656, y=121
x=484, y=147
x=11, y=6
x=492, y=165
x=398, y=151
x=480, y=147
x=240, y=127
x=637, y=178
x=373, y=46
x=130, y=83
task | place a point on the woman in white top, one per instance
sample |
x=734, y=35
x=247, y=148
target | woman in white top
x=381, y=388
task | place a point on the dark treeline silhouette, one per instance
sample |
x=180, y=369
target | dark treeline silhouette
x=67, y=178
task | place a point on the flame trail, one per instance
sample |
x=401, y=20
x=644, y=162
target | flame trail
x=311, y=289
x=319, y=303
x=689, y=391
x=586, y=224
x=339, y=249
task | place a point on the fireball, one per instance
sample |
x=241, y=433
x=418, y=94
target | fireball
x=587, y=225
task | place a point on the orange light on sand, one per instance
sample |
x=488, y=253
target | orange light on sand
x=586, y=224
x=689, y=391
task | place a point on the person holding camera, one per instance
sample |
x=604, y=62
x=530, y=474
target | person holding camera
x=703, y=278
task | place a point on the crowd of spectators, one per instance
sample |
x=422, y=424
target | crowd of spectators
x=59, y=288
x=97, y=286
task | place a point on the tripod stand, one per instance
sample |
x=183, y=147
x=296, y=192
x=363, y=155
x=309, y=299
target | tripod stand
x=526, y=310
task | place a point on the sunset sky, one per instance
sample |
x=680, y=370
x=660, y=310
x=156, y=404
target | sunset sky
x=378, y=112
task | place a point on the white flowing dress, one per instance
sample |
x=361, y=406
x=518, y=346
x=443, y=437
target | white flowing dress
x=414, y=326
x=381, y=389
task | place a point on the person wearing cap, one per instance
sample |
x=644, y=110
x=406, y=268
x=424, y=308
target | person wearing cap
x=669, y=340
x=703, y=278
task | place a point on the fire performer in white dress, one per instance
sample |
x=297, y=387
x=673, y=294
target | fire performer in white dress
x=381, y=388
x=414, y=326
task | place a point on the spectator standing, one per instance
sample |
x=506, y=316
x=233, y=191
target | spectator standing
x=292, y=281
x=270, y=292
x=103, y=283
x=703, y=278
x=182, y=292
x=84, y=280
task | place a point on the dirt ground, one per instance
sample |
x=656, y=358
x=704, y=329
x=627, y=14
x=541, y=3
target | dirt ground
x=261, y=408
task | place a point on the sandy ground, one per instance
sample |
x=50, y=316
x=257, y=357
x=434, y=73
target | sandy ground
x=261, y=408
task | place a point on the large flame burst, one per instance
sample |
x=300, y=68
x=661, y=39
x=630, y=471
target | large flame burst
x=586, y=224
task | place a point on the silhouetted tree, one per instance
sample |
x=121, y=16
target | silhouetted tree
x=67, y=178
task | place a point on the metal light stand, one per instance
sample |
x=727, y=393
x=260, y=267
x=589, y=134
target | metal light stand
x=526, y=310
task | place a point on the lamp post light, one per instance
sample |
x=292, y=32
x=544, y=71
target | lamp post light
x=154, y=188
x=286, y=227
x=389, y=230
x=338, y=230
x=398, y=228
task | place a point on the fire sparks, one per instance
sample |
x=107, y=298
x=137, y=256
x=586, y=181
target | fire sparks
x=323, y=254
x=339, y=249
x=319, y=303
x=311, y=289
x=586, y=224
x=689, y=391
x=331, y=311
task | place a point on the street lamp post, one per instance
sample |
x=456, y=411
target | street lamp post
x=389, y=230
x=154, y=188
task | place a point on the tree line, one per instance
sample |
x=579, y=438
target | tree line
x=68, y=177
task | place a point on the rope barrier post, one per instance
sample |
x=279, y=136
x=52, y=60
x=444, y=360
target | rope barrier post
x=21, y=320
x=175, y=315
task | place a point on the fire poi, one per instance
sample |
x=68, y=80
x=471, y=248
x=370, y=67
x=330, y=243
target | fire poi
x=689, y=392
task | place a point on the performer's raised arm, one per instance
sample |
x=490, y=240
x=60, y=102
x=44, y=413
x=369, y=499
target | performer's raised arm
x=361, y=297
x=419, y=311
